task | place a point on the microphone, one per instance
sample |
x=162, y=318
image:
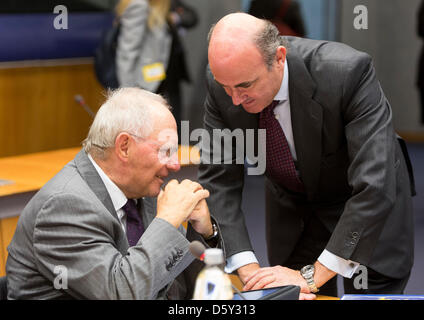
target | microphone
x=197, y=249
x=80, y=100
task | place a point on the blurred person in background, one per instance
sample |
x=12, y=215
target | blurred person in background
x=284, y=14
x=150, y=54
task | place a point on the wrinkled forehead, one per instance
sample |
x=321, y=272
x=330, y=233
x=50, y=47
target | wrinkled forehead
x=162, y=120
x=165, y=130
x=231, y=44
x=236, y=67
x=168, y=137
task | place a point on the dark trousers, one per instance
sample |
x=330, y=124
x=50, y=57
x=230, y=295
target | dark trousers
x=311, y=239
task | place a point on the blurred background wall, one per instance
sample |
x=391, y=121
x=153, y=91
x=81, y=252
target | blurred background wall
x=391, y=39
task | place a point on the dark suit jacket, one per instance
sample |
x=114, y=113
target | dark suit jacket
x=350, y=161
x=71, y=222
x=420, y=33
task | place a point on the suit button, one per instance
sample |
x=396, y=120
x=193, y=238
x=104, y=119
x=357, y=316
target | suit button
x=355, y=235
x=170, y=264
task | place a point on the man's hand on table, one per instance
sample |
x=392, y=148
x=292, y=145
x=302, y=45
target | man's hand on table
x=246, y=271
x=278, y=276
x=281, y=276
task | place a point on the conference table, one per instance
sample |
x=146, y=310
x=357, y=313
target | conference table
x=22, y=176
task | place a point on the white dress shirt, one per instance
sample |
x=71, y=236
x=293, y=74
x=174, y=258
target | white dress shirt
x=346, y=268
x=116, y=195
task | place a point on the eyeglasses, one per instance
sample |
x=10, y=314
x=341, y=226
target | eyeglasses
x=166, y=152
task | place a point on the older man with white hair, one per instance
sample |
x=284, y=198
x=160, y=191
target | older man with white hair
x=96, y=230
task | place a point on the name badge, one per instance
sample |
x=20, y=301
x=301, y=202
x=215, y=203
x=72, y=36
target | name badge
x=154, y=72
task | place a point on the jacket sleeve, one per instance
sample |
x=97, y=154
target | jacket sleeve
x=371, y=172
x=73, y=233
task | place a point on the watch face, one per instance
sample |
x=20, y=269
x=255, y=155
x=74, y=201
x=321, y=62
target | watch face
x=308, y=270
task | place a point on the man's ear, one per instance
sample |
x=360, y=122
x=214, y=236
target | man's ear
x=122, y=145
x=281, y=55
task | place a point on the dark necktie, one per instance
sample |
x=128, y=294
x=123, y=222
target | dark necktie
x=135, y=227
x=279, y=161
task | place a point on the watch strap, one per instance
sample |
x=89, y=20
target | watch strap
x=312, y=286
x=215, y=232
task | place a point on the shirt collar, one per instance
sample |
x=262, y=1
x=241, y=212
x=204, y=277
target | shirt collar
x=283, y=93
x=116, y=195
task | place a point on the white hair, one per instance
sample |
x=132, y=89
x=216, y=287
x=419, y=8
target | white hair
x=125, y=110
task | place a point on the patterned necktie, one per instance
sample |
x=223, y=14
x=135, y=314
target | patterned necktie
x=279, y=161
x=135, y=227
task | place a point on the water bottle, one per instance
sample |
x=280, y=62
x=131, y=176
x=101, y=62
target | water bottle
x=213, y=283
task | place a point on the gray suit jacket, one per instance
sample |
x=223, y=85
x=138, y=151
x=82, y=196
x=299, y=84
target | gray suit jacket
x=139, y=46
x=70, y=235
x=349, y=158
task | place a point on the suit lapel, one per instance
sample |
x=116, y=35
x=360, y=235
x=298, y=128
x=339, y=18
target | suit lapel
x=92, y=178
x=306, y=117
x=90, y=175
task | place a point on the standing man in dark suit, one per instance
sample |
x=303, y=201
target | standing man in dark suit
x=338, y=192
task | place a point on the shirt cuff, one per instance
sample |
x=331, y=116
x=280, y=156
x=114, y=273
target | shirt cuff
x=239, y=260
x=345, y=268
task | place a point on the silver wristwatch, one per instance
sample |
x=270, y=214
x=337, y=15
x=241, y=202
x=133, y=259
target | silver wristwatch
x=215, y=232
x=307, y=273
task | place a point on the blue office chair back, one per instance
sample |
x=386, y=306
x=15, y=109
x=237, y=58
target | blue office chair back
x=3, y=288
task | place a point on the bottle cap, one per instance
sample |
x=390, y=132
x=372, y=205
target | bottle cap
x=214, y=256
